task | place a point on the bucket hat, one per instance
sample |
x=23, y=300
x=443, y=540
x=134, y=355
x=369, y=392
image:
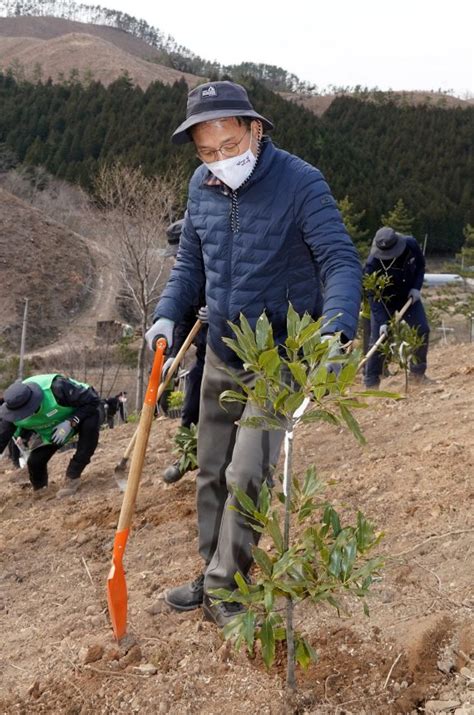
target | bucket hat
x=173, y=233
x=215, y=100
x=21, y=400
x=387, y=243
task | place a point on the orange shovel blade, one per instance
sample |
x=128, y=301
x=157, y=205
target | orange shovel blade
x=117, y=587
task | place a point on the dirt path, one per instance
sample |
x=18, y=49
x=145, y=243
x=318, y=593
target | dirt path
x=414, y=480
x=100, y=305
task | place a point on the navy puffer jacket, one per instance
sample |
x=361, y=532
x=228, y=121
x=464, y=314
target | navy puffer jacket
x=278, y=239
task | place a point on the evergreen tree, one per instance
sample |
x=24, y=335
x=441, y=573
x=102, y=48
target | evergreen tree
x=352, y=219
x=399, y=219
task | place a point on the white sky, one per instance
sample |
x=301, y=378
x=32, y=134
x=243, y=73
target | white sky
x=402, y=44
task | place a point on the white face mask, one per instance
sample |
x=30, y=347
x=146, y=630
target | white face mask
x=234, y=170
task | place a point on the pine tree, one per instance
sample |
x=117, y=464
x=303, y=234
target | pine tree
x=398, y=218
x=352, y=219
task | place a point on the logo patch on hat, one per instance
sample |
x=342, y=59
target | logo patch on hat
x=209, y=92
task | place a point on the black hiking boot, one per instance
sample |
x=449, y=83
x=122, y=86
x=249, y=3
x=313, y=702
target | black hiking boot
x=186, y=597
x=221, y=613
x=172, y=473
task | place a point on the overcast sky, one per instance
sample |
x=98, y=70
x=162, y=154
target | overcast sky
x=406, y=44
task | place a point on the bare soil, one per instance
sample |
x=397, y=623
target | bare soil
x=414, y=479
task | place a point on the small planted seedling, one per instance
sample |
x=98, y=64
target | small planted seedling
x=319, y=558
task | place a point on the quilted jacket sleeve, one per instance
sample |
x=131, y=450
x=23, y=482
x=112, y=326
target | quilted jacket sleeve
x=318, y=218
x=186, y=282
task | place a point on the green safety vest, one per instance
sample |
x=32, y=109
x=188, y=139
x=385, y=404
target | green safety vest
x=50, y=413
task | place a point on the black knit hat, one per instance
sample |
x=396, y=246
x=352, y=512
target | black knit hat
x=215, y=100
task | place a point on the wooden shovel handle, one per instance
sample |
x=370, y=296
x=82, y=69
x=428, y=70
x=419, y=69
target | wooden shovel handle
x=398, y=316
x=142, y=435
x=171, y=371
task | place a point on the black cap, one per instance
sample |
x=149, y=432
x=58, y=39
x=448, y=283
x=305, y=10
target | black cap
x=215, y=100
x=21, y=401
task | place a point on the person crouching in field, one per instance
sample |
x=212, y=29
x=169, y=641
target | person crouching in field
x=56, y=409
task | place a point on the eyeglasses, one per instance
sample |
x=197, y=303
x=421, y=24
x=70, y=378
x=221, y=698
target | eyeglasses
x=227, y=150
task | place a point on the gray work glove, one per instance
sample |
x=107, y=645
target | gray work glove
x=334, y=351
x=166, y=366
x=203, y=314
x=163, y=328
x=415, y=295
x=383, y=330
x=61, y=432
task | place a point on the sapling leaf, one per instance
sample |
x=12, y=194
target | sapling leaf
x=292, y=322
x=274, y=530
x=232, y=396
x=298, y=372
x=248, y=629
x=241, y=583
x=269, y=361
x=304, y=653
x=352, y=423
x=263, y=560
x=267, y=639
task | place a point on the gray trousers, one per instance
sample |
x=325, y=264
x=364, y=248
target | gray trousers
x=228, y=454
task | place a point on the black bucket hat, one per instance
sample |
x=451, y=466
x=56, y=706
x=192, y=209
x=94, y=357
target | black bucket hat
x=388, y=243
x=173, y=234
x=215, y=100
x=21, y=400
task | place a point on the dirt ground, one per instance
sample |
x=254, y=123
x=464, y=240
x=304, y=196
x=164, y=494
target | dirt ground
x=414, y=479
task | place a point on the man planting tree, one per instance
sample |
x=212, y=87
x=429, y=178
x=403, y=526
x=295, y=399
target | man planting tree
x=400, y=259
x=261, y=231
x=54, y=408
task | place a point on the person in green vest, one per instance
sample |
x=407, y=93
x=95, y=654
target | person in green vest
x=56, y=409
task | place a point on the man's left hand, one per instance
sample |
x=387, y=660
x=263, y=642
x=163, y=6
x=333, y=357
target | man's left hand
x=61, y=432
x=415, y=295
x=334, y=351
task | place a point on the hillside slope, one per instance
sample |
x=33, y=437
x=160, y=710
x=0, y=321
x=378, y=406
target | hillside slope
x=91, y=56
x=414, y=480
x=46, y=28
x=45, y=262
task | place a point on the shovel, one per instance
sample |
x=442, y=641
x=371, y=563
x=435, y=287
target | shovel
x=121, y=466
x=116, y=584
x=398, y=316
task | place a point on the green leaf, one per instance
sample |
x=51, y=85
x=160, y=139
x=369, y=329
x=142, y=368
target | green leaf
x=269, y=361
x=304, y=653
x=299, y=373
x=292, y=322
x=232, y=396
x=241, y=583
x=267, y=638
x=248, y=629
x=352, y=423
x=275, y=532
x=268, y=599
x=244, y=500
x=320, y=416
x=293, y=402
x=263, y=333
x=263, y=560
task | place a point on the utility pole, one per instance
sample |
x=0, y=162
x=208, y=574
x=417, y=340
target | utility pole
x=23, y=341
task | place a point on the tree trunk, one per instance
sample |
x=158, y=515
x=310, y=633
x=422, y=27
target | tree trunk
x=290, y=640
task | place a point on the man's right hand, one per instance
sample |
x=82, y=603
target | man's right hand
x=162, y=328
x=383, y=330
